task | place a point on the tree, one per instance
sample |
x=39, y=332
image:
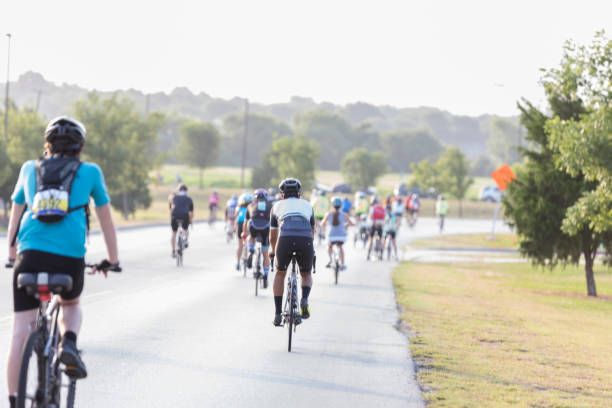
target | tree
x=403, y=148
x=560, y=202
x=266, y=173
x=123, y=143
x=24, y=142
x=482, y=167
x=262, y=131
x=199, y=145
x=361, y=168
x=295, y=157
x=453, y=171
x=328, y=130
x=504, y=140
x=425, y=176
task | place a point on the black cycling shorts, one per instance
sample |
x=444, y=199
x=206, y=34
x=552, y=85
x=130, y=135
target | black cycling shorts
x=38, y=261
x=302, y=246
x=263, y=234
x=376, y=230
x=240, y=226
x=174, y=222
x=391, y=234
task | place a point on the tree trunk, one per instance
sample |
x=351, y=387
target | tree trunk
x=589, y=260
x=126, y=209
x=201, y=184
x=460, y=208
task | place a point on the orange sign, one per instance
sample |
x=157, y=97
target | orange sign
x=503, y=176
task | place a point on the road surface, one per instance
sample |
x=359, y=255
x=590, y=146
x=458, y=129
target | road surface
x=162, y=336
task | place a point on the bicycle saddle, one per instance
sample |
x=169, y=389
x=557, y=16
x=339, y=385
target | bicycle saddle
x=43, y=282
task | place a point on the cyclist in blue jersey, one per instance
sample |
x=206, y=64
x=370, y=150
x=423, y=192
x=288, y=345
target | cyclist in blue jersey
x=346, y=206
x=242, y=216
x=258, y=227
x=56, y=245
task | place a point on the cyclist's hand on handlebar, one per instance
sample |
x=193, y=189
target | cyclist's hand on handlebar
x=10, y=263
x=271, y=254
x=105, y=266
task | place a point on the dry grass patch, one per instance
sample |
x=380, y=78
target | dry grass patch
x=499, y=241
x=508, y=335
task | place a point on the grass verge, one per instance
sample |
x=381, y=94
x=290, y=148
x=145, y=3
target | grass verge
x=493, y=335
x=499, y=241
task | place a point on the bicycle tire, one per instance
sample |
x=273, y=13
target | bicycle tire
x=28, y=350
x=291, y=318
x=71, y=394
x=179, y=252
x=336, y=272
x=256, y=285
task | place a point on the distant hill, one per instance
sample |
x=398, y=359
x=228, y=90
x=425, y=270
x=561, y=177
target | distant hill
x=470, y=134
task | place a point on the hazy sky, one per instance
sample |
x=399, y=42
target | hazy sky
x=468, y=57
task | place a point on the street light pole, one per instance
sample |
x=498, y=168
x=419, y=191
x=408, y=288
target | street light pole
x=6, y=97
x=244, y=141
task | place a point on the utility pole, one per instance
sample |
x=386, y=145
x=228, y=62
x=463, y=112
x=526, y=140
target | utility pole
x=6, y=97
x=244, y=141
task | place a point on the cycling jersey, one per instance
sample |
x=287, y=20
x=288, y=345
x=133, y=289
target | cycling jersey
x=390, y=222
x=321, y=206
x=294, y=217
x=230, y=212
x=398, y=207
x=259, y=213
x=243, y=214
x=442, y=207
x=213, y=200
x=66, y=237
x=181, y=205
x=337, y=233
x=361, y=206
x=377, y=214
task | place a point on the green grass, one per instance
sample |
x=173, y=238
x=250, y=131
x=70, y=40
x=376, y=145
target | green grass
x=499, y=241
x=495, y=335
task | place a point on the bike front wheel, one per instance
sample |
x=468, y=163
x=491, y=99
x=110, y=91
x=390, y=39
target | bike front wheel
x=32, y=376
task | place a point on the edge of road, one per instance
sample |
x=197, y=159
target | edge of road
x=96, y=231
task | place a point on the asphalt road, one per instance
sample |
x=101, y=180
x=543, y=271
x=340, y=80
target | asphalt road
x=161, y=336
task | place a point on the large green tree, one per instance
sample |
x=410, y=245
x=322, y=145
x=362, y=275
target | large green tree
x=262, y=131
x=24, y=142
x=123, y=143
x=560, y=203
x=361, y=168
x=403, y=148
x=199, y=145
x=453, y=169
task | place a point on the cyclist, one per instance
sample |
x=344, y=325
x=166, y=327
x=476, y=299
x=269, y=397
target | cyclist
x=414, y=206
x=320, y=204
x=213, y=204
x=59, y=246
x=181, y=208
x=242, y=216
x=398, y=209
x=346, y=206
x=377, y=219
x=231, y=208
x=361, y=207
x=441, y=210
x=258, y=226
x=390, y=229
x=337, y=233
x=291, y=230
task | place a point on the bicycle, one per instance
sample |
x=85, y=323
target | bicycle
x=245, y=259
x=229, y=231
x=258, y=275
x=389, y=246
x=180, y=243
x=291, y=313
x=336, y=264
x=40, y=376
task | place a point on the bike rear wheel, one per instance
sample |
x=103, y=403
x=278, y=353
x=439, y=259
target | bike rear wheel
x=179, y=251
x=32, y=376
x=336, y=272
x=291, y=319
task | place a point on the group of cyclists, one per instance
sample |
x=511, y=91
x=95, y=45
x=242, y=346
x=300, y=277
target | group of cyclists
x=50, y=221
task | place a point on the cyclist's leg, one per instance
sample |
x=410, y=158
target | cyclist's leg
x=305, y=260
x=174, y=227
x=240, y=245
x=186, y=227
x=23, y=321
x=265, y=247
x=341, y=252
x=330, y=250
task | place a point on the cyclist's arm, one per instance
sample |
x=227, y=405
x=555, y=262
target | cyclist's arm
x=108, y=230
x=16, y=212
x=324, y=222
x=273, y=239
x=191, y=212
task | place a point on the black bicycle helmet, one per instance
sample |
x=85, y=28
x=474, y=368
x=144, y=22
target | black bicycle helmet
x=290, y=187
x=65, y=134
x=182, y=187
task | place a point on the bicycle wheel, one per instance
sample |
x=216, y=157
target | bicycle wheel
x=336, y=272
x=179, y=250
x=291, y=317
x=32, y=376
x=71, y=394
